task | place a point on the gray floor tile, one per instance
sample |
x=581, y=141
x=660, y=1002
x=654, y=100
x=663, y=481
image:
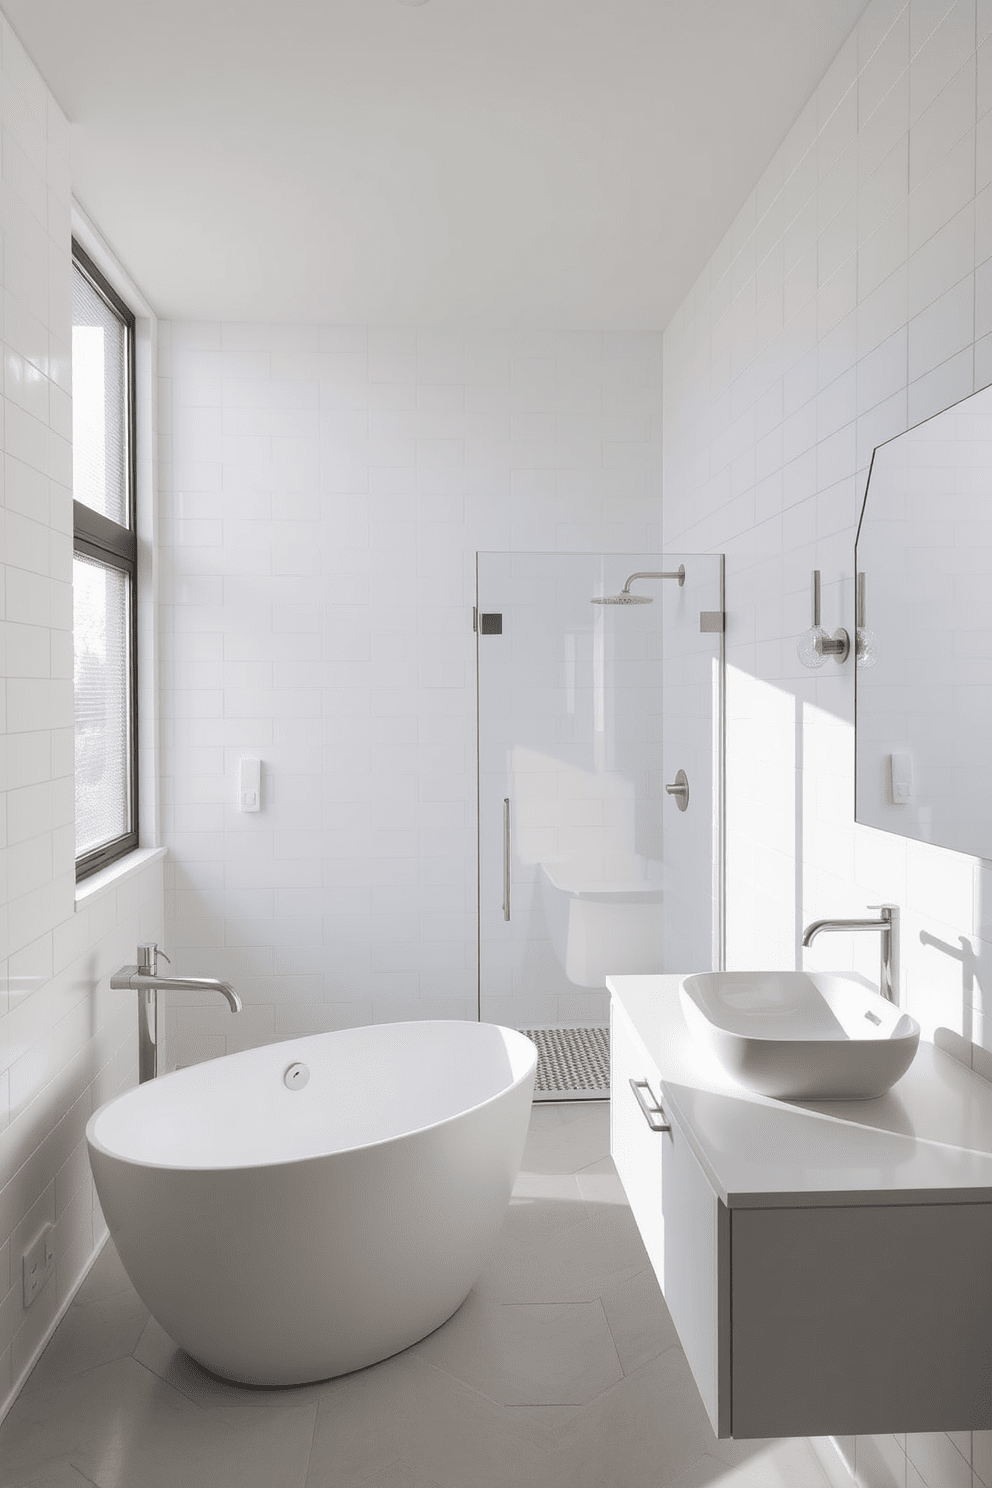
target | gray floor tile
x=105, y=1278
x=564, y=1139
x=599, y=1183
x=461, y=1439
x=88, y=1336
x=122, y=1427
x=789, y=1463
x=362, y=1423
x=74, y=1416
x=638, y=1319
x=647, y=1429
x=543, y=1424
x=52, y=1475
x=158, y=1353
x=519, y=1354
x=406, y=1410
x=710, y=1472
x=575, y=1264
x=786, y=1461
x=398, y=1475
x=544, y=1203
x=786, y=1464
x=881, y=1462
x=938, y=1459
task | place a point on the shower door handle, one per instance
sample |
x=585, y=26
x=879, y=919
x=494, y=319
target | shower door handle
x=506, y=857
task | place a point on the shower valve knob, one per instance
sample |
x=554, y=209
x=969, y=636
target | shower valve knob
x=680, y=790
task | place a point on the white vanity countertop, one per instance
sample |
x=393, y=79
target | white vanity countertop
x=929, y=1140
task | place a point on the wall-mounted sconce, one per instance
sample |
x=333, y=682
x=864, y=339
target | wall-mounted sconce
x=814, y=645
x=865, y=644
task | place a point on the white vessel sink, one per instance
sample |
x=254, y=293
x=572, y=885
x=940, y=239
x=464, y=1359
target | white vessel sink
x=800, y=1035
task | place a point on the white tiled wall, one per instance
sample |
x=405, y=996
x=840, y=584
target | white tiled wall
x=66, y=1042
x=851, y=298
x=324, y=493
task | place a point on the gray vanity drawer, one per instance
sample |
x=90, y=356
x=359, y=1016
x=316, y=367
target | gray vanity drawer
x=862, y=1319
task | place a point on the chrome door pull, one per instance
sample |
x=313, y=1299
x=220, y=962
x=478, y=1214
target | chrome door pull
x=650, y=1112
x=506, y=857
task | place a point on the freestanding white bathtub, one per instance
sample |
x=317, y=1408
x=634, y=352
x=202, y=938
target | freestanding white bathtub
x=281, y=1234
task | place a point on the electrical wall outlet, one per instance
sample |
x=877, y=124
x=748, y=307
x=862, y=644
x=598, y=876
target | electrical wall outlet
x=39, y=1264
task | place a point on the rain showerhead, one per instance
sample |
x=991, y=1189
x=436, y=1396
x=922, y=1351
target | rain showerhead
x=626, y=598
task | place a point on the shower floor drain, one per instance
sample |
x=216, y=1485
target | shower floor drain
x=572, y=1063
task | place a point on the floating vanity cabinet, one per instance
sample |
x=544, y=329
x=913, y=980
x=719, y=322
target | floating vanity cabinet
x=696, y=1280
x=683, y=1225
x=634, y=1142
x=828, y=1267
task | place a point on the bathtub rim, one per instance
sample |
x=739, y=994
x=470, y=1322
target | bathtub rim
x=292, y=1162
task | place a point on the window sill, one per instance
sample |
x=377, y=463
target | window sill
x=110, y=878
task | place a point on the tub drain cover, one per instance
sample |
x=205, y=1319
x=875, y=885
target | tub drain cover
x=572, y=1063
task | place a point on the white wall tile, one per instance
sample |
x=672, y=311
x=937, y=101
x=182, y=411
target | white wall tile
x=344, y=632
x=940, y=195
x=942, y=40
x=943, y=328
x=60, y=1035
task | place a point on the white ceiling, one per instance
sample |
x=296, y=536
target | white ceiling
x=560, y=163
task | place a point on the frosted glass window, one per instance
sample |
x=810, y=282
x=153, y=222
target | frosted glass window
x=99, y=403
x=100, y=613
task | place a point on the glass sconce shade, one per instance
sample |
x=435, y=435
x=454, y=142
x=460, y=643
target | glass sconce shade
x=809, y=647
x=867, y=647
x=865, y=643
x=815, y=645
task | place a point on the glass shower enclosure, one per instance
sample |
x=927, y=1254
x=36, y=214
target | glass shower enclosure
x=600, y=737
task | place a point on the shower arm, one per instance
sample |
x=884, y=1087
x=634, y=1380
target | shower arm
x=679, y=574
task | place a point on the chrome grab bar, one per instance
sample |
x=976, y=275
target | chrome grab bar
x=650, y=1112
x=506, y=857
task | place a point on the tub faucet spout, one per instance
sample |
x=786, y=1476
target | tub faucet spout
x=139, y=982
x=146, y=979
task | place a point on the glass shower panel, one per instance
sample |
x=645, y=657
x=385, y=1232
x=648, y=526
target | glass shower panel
x=573, y=811
x=693, y=741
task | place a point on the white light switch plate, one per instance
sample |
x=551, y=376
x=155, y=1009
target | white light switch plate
x=250, y=785
x=901, y=766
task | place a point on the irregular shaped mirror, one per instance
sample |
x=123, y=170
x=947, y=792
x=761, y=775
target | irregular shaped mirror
x=924, y=632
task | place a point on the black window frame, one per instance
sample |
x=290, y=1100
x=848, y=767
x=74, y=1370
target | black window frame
x=96, y=536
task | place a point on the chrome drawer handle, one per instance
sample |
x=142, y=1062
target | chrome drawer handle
x=649, y=1112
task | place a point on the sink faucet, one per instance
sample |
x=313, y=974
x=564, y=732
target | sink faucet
x=888, y=924
x=147, y=981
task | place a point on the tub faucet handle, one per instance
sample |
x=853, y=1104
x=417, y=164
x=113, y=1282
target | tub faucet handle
x=148, y=956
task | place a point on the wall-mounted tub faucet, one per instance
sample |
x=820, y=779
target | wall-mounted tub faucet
x=888, y=926
x=147, y=981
